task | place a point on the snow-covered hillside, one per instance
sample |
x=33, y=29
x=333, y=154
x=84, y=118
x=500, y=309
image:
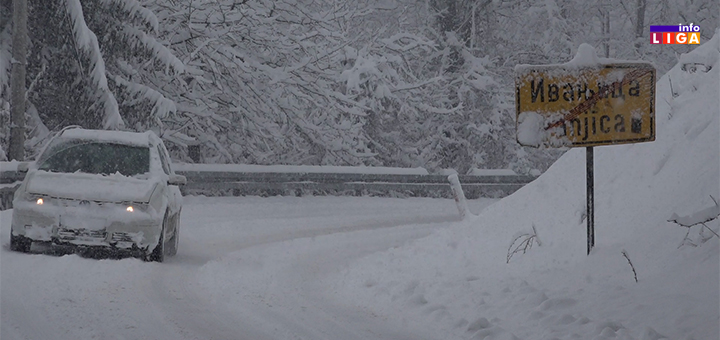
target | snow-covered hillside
x=458, y=280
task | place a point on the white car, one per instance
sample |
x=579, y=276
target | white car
x=100, y=190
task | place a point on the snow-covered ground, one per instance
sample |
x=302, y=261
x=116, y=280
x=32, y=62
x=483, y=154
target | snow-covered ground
x=458, y=279
x=247, y=268
x=381, y=268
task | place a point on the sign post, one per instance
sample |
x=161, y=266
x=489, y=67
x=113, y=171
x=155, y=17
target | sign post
x=590, y=198
x=585, y=105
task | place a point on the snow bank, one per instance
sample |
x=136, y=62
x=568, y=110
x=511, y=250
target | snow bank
x=458, y=280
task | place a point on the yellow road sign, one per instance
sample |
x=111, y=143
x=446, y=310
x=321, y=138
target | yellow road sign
x=569, y=106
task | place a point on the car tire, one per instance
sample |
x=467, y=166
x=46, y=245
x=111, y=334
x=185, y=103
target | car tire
x=158, y=254
x=20, y=243
x=175, y=240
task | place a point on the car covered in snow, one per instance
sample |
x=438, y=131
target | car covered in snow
x=100, y=190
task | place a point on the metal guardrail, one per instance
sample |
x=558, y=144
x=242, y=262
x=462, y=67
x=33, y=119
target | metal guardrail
x=271, y=183
x=9, y=182
x=235, y=183
x=9, y=177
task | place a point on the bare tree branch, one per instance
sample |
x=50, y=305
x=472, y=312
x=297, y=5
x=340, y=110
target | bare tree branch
x=523, y=243
x=625, y=254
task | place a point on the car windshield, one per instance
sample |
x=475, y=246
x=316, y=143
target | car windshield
x=97, y=158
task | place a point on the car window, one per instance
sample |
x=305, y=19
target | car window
x=97, y=158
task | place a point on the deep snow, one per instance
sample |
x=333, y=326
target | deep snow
x=247, y=268
x=458, y=281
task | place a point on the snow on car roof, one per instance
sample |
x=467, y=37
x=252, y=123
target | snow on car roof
x=123, y=137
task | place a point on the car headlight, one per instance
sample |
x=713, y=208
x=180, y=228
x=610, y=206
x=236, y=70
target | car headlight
x=132, y=207
x=36, y=199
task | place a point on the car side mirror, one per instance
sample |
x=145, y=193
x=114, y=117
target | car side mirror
x=177, y=180
x=23, y=167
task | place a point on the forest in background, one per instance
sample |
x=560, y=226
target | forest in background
x=405, y=83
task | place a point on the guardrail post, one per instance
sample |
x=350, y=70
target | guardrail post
x=459, y=196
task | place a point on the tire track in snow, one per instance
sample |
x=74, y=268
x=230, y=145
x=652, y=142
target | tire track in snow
x=274, y=314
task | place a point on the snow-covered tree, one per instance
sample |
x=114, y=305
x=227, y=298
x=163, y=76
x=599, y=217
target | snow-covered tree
x=81, y=54
x=261, y=80
x=377, y=82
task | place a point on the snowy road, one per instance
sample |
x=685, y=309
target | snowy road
x=248, y=268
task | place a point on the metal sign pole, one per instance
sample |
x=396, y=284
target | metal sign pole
x=590, y=193
x=622, y=104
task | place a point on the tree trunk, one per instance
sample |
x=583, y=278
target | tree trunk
x=607, y=33
x=639, y=25
x=17, y=86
